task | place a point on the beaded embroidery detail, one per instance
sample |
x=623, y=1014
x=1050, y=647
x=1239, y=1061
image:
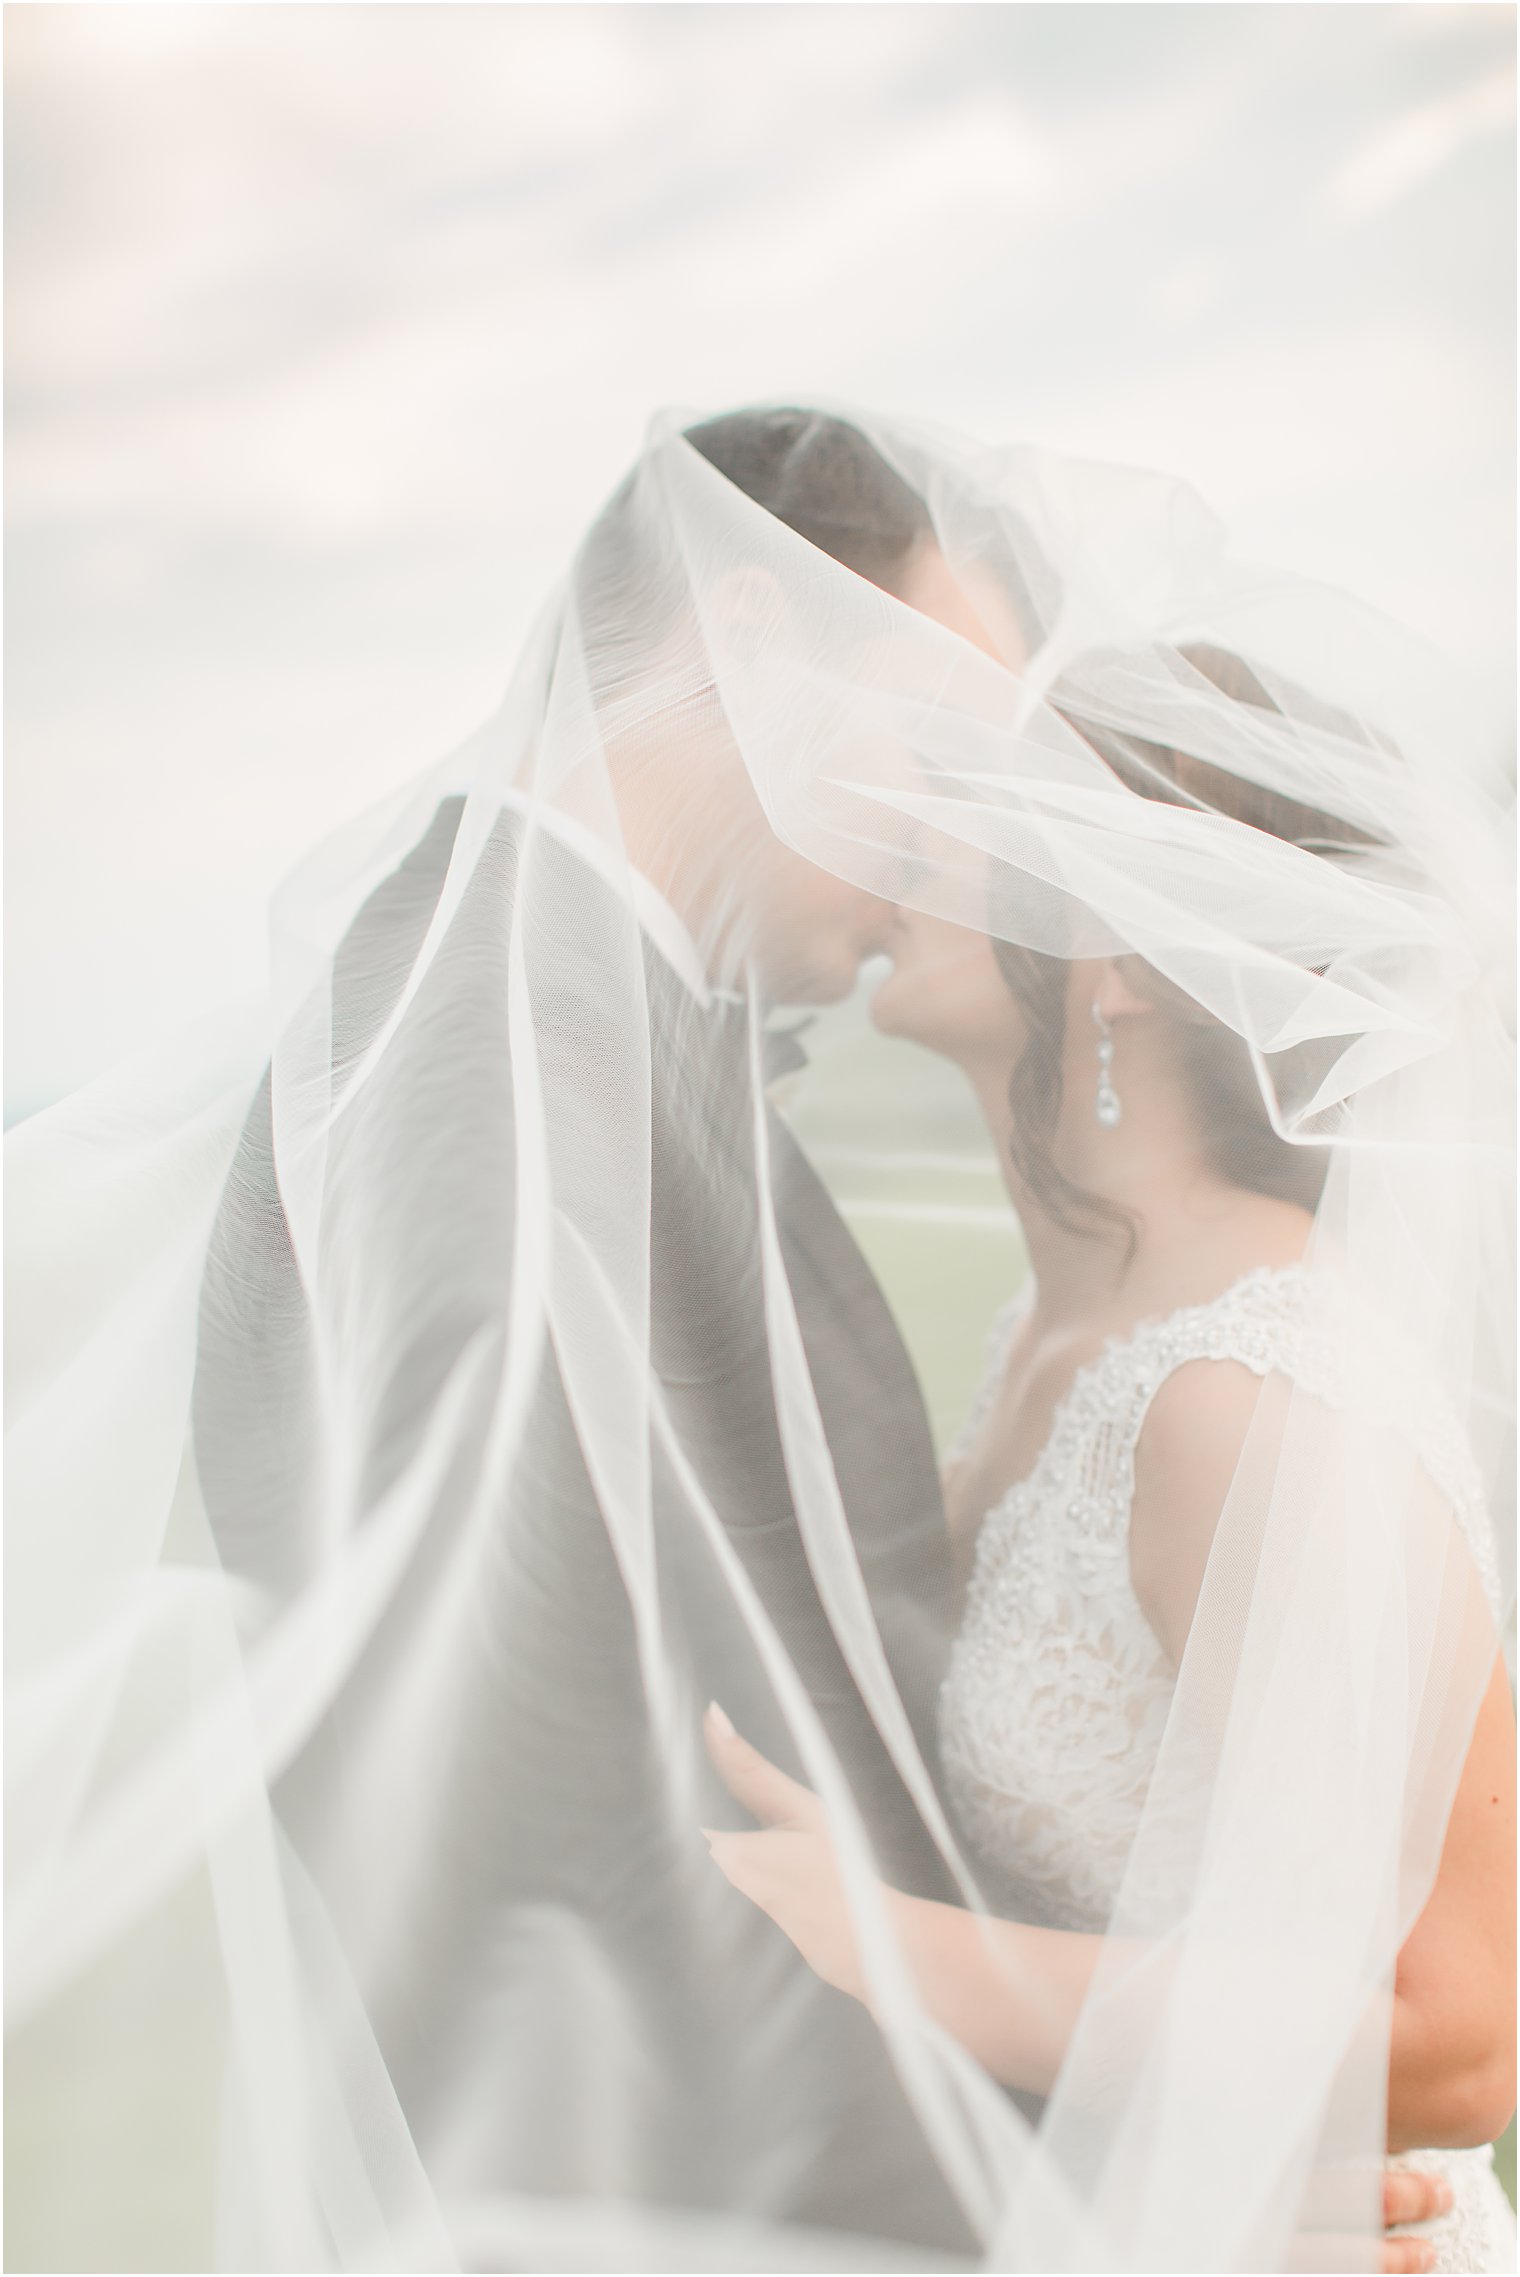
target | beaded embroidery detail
x=1058, y=1689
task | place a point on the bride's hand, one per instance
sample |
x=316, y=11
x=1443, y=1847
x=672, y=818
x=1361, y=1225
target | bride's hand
x=789, y=1869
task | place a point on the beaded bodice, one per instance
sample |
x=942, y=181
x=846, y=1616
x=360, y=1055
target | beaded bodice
x=1058, y=1689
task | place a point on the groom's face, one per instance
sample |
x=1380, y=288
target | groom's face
x=693, y=822
x=810, y=931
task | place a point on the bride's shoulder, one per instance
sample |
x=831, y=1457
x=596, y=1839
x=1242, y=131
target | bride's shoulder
x=1204, y=1375
x=1187, y=1452
x=1281, y=1341
x=1207, y=1378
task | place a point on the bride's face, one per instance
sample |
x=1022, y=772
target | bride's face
x=945, y=991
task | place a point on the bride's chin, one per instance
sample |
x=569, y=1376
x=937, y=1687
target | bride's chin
x=894, y=1013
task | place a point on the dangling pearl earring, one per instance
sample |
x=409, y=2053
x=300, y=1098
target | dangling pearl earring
x=1106, y=1106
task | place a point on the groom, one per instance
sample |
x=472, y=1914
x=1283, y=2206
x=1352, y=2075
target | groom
x=550, y=1922
x=552, y=1941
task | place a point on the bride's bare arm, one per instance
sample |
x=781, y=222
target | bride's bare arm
x=1452, y=2060
x=1009, y=1993
x=1452, y=2072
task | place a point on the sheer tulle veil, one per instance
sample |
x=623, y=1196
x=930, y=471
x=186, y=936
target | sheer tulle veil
x=427, y=1392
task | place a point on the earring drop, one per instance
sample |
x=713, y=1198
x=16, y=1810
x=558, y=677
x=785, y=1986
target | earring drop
x=1106, y=1106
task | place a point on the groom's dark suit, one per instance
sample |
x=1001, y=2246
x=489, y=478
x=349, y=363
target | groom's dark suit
x=545, y=1835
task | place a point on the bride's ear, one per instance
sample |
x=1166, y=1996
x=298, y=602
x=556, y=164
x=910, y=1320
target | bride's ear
x=1114, y=994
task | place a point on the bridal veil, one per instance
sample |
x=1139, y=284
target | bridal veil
x=427, y=1393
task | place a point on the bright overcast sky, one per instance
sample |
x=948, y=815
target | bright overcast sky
x=327, y=327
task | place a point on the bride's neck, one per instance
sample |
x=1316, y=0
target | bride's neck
x=1180, y=1226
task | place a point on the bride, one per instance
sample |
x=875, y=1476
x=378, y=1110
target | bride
x=1168, y=1229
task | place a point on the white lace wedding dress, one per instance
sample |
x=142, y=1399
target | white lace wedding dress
x=1058, y=1689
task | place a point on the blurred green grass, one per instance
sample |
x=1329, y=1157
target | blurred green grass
x=112, y=2102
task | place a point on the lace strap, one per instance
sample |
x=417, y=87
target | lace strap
x=1261, y=1322
x=1281, y=1322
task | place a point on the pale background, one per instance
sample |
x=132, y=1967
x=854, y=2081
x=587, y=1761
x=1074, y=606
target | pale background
x=327, y=327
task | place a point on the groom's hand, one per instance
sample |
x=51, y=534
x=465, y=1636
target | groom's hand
x=789, y=1869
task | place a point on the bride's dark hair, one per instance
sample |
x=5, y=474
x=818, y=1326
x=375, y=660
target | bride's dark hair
x=1215, y=1062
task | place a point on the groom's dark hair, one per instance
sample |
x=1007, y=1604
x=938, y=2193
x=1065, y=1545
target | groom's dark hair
x=823, y=479
x=814, y=472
